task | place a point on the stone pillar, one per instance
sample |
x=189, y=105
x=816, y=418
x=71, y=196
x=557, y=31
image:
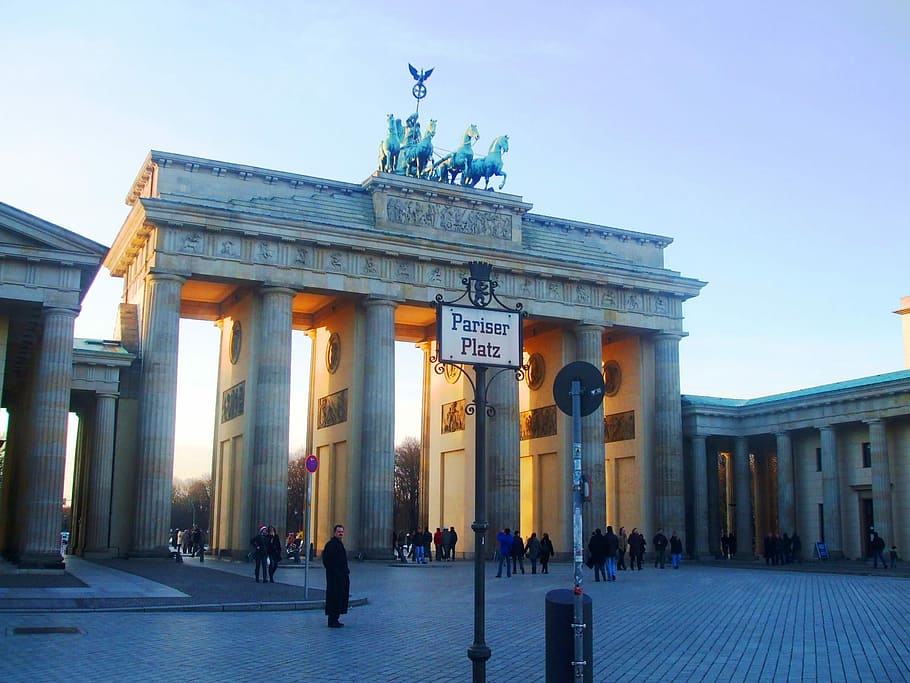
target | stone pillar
x=714, y=516
x=742, y=489
x=831, y=492
x=272, y=409
x=670, y=486
x=701, y=523
x=503, y=456
x=43, y=486
x=100, y=472
x=378, y=435
x=881, y=481
x=589, y=348
x=786, y=495
x=157, y=415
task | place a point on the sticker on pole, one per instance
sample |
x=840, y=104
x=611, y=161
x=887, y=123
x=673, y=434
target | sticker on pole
x=312, y=463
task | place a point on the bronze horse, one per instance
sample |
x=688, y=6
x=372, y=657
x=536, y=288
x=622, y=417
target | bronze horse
x=448, y=168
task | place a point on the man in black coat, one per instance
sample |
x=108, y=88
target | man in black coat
x=337, y=577
x=660, y=543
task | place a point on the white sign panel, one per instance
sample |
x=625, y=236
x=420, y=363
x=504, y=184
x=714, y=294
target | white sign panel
x=479, y=336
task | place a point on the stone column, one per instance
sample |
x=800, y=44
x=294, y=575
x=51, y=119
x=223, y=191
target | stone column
x=786, y=495
x=100, y=472
x=503, y=456
x=831, y=491
x=589, y=348
x=157, y=415
x=742, y=489
x=701, y=523
x=43, y=486
x=670, y=498
x=272, y=409
x=881, y=481
x=378, y=435
x=714, y=516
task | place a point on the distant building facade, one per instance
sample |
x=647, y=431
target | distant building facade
x=828, y=463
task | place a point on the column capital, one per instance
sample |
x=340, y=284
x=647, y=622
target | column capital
x=874, y=421
x=159, y=275
x=59, y=310
x=667, y=335
x=380, y=301
x=278, y=289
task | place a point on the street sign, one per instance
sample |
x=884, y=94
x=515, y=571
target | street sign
x=479, y=336
x=312, y=463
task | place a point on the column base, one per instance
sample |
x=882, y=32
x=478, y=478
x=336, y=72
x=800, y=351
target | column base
x=41, y=563
x=157, y=551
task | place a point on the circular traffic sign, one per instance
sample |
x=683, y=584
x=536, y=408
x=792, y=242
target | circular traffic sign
x=312, y=462
x=592, y=387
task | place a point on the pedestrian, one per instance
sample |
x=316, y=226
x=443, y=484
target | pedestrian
x=878, y=546
x=731, y=542
x=623, y=546
x=418, y=548
x=437, y=542
x=427, y=542
x=292, y=547
x=453, y=539
x=676, y=549
x=337, y=577
x=532, y=548
x=261, y=552
x=725, y=545
x=660, y=548
x=797, y=546
x=446, y=543
x=611, y=544
x=546, y=552
x=518, y=553
x=274, y=550
x=402, y=545
x=175, y=539
x=597, y=547
x=636, y=548
x=769, y=549
x=504, y=538
x=893, y=558
x=199, y=538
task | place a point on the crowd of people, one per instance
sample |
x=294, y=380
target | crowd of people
x=189, y=541
x=513, y=550
x=782, y=549
x=418, y=545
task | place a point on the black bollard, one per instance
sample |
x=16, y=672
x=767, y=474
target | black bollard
x=561, y=637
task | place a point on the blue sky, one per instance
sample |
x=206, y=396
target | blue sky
x=769, y=140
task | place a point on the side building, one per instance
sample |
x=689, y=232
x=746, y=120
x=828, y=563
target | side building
x=827, y=462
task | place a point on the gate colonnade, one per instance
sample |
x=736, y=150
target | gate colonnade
x=261, y=253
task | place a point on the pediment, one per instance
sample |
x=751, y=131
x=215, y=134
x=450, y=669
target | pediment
x=25, y=235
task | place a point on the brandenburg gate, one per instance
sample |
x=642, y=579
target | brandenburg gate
x=261, y=253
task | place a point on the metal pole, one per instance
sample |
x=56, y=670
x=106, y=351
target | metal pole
x=479, y=652
x=578, y=624
x=306, y=537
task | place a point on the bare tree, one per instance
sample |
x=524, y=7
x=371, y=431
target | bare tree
x=297, y=483
x=406, y=483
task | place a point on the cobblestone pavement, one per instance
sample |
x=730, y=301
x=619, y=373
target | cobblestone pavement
x=699, y=623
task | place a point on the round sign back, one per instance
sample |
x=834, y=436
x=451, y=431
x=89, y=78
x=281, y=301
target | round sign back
x=592, y=387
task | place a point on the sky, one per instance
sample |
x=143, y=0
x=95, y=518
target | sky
x=769, y=140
